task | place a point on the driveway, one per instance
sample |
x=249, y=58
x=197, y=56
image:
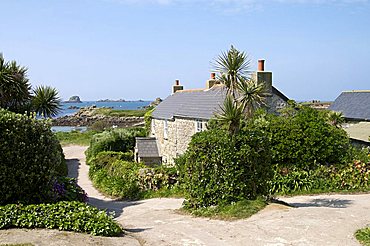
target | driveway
x=315, y=220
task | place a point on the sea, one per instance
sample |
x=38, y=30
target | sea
x=71, y=108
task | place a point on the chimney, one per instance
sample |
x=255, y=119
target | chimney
x=177, y=86
x=262, y=76
x=212, y=81
x=261, y=65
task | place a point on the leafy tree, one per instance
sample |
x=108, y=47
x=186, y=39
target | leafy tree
x=15, y=92
x=46, y=101
x=247, y=94
x=14, y=86
x=231, y=114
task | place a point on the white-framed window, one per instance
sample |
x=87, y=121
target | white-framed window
x=199, y=126
x=165, y=129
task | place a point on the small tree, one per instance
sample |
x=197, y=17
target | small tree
x=46, y=101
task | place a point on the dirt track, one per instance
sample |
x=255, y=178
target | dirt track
x=316, y=220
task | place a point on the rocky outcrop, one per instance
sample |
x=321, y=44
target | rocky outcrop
x=86, y=117
x=74, y=99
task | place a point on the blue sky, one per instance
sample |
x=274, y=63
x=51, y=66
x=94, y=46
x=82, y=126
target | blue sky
x=135, y=49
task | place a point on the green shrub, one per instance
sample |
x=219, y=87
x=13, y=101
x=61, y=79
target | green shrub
x=363, y=236
x=105, y=158
x=157, y=178
x=117, y=178
x=30, y=158
x=75, y=137
x=67, y=216
x=220, y=169
x=67, y=189
x=305, y=140
x=354, y=176
x=148, y=121
x=114, y=140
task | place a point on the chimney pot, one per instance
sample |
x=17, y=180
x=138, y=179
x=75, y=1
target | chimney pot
x=177, y=82
x=213, y=75
x=261, y=65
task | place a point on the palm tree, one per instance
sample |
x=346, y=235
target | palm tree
x=335, y=118
x=252, y=96
x=232, y=67
x=230, y=115
x=14, y=86
x=46, y=101
x=244, y=95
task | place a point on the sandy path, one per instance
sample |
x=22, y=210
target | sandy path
x=317, y=220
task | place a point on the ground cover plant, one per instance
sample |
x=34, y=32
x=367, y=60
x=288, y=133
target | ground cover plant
x=120, y=113
x=237, y=210
x=363, y=236
x=75, y=137
x=67, y=216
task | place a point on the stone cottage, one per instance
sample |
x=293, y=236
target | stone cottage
x=186, y=112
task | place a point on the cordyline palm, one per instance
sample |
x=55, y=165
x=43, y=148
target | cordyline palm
x=232, y=66
x=251, y=96
x=335, y=118
x=46, y=101
x=230, y=115
x=14, y=86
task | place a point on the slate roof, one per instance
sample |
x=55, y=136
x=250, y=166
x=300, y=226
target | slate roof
x=353, y=104
x=147, y=147
x=198, y=104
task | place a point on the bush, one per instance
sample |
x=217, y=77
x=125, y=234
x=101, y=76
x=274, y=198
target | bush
x=67, y=216
x=220, y=169
x=349, y=177
x=67, y=189
x=305, y=140
x=31, y=157
x=114, y=140
x=117, y=178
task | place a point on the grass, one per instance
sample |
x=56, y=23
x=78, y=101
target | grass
x=363, y=236
x=75, y=137
x=120, y=113
x=238, y=210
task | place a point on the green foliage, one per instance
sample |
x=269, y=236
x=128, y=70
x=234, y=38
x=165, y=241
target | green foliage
x=220, y=169
x=118, y=178
x=46, y=101
x=148, y=120
x=120, y=113
x=114, y=140
x=15, y=90
x=67, y=216
x=16, y=96
x=305, y=140
x=115, y=174
x=238, y=210
x=348, y=177
x=30, y=158
x=67, y=189
x=363, y=236
x=75, y=137
x=100, y=125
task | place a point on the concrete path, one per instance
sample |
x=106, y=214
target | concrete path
x=316, y=220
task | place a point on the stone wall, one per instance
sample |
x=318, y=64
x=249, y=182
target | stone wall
x=276, y=103
x=179, y=132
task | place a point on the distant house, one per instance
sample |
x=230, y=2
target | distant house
x=355, y=105
x=187, y=112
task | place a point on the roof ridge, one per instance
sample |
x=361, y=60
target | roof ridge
x=357, y=91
